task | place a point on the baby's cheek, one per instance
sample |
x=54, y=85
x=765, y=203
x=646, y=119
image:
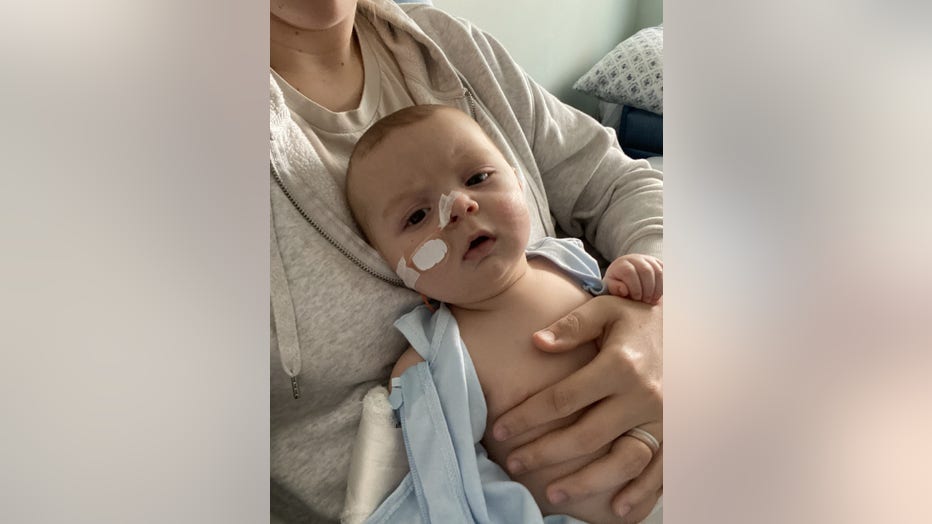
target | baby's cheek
x=403, y=248
x=521, y=222
x=514, y=208
x=441, y=284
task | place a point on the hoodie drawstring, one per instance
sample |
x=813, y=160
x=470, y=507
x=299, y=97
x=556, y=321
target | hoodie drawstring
x=286, y=327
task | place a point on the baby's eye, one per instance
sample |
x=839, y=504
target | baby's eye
x=478, y=178
x=417, y=216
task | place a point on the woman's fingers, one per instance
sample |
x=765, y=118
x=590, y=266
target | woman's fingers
x=581, y=325
x=626, y=460
x=636, y=499
x=621, y=370
x=602, y=424
x=620, y=389
x=575, y=392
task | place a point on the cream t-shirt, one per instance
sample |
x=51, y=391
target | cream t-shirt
x=333, y=135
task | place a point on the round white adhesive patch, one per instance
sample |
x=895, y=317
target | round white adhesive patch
x=430, y=254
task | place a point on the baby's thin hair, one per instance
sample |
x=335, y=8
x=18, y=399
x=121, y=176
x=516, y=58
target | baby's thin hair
x=379, y=130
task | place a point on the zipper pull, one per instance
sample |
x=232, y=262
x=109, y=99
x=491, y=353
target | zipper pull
x=396, y=399
x=295, y=388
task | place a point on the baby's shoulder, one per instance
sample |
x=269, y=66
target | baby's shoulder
x=409, y=358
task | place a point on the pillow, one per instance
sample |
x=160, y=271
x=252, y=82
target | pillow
x=631, y=74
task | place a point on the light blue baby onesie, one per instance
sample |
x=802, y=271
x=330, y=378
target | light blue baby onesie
x=442, y=412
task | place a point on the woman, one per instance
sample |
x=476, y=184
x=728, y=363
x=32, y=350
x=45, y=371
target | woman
x=336, y=68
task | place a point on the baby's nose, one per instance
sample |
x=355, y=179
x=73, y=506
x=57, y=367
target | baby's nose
x=463, y=205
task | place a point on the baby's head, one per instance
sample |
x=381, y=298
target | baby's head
x=440, y=203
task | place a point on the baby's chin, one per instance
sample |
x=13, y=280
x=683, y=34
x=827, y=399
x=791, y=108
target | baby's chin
x=432, y=292
x=462, y=299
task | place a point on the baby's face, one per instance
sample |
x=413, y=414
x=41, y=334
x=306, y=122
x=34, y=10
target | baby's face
x=443, y=207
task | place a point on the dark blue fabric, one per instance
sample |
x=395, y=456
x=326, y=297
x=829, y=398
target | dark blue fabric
x=640, y=133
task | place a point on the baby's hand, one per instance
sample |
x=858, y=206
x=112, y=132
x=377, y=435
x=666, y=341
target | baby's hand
x=638, y=277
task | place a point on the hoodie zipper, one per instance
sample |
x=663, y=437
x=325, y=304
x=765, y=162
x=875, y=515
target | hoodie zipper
x=353, y=258
x=470, y=100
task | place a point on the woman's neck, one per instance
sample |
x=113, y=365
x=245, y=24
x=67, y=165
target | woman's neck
x=326, y=66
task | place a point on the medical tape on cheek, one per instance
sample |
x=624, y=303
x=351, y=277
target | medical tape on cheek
x=445, y=209
x=408, y=275
x=429, y=254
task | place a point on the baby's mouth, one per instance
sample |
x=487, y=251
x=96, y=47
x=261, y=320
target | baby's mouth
x=479, y=247
x=478, y=240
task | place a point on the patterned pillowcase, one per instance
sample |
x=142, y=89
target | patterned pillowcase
x=630, y=74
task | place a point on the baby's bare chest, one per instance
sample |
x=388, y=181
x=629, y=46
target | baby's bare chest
x=509, y=367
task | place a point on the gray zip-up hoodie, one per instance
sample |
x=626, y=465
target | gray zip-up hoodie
x=334, y=299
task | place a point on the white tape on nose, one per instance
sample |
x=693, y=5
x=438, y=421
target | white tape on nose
x=446, y=207
x=408, y=275
x=430, y=254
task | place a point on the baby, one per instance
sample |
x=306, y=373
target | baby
x=437, y=199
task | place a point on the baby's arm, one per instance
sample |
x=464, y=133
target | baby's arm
x=407, y=359
x=638, y=277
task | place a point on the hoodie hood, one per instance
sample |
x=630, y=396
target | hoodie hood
x=397, y=31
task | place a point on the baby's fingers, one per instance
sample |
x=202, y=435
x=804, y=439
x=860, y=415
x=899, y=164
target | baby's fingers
x=628, y=273
x=658, y=280
x=646, y=278
x=616, y=287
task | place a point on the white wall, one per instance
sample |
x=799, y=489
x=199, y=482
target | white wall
x=555, y=41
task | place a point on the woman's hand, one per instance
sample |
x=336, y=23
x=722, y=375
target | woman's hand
x=619, y=390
